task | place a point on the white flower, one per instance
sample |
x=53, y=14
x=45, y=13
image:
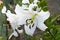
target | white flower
x=25, y=14
x=4, y=10
x=29, y=18
x=38, y=20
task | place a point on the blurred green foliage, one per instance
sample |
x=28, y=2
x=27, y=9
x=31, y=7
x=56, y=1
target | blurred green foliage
x=43, y=5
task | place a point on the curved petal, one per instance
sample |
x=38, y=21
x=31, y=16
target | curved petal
x=41, y=18
x=20, y=31
x=30, y=29
x=20, y=11
x=11, y=17
x=42, y=26
x=15, y=34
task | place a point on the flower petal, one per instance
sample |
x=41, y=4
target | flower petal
x=11, y=17
x=41, y=18
x=15, y=34
x=20, y=31
x=30, y=31
x=42, y=26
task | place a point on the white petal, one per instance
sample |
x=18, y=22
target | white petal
x=20, y=11
x=8, y=13
x=20, y=31
x=41, y=18
x=11, y=17
x=22, y=18
x=42, y=26
x=15, y=34
x=25, y=1
x=14, y=25
x=4, y=9
x=32, y=30
x=29, y=31
x=17, y=9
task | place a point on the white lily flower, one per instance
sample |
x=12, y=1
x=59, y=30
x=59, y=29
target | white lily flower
x=31, y=19
x=25, y=1
x=38, y=20
x=4, y=10
x=25, y=14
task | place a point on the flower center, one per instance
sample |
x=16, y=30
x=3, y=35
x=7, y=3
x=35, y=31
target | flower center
x=30, y=21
